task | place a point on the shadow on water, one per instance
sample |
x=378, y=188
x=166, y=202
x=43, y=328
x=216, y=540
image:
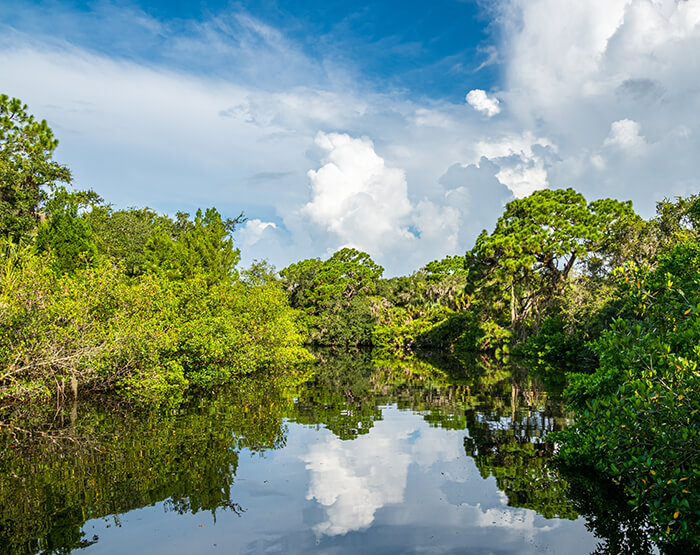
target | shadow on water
x=101, y=459
x=604, y=506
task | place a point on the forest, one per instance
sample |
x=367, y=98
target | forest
x=146, y=307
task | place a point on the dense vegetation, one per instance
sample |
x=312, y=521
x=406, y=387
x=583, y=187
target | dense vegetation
x=145, y=305
x=98, y=299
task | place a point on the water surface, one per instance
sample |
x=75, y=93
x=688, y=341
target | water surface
x=365, y=457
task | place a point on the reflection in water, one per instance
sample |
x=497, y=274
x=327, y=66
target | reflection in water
x=112, y=460
x=509, y=444
x=380, y=448
x=353, y=480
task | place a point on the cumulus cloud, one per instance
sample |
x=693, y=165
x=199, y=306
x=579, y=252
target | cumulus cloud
x=624, y=134
x=364, y=203
x=602, y=96
x=483, y=103
x=521, y=159
x=253, y=231
x=572, y=68
x=356, y=196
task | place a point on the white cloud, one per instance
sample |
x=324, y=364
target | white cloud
x=357, y=200
x=624, y=134
x=432, y=118
x=521, y=159
x=253, y=231
x=483, y=103
x=572, y=67
x=175, y=141
x=406, y=180
x=356, y=196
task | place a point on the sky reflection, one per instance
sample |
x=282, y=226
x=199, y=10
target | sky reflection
x=404, y=487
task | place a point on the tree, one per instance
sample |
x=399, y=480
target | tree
x=536, y=244
x=122, y=235
x=26, y=168
x=201, y=247
x=313, y=285
x=638, y=415
x=334, y=295
x=65, y=233
x=676, y=221
x=446, y=280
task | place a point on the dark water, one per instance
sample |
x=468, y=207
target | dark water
x=375, y=457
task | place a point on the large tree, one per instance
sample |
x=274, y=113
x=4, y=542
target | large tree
x=313, y=285
x=537, y=242
x=26, y=168
x=203, y=246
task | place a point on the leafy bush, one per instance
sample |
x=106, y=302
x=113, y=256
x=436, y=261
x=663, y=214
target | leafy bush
x=638, y=415
x=147, y=337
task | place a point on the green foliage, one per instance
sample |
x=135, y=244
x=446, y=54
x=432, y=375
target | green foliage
x=334, y=296
x=339, y=395
x=402, y=330
x=202, y=247
x=425, y=310
x=676, y=221
x=313, y=285
x=260, y=273
x=448, y=266
x=124, y=300
x=529, y=256
x=146, y=337
x=523, y=469
x=555, y=346
x=638, y=414
x=64, y=233
x=26, y=168
x=122, y=235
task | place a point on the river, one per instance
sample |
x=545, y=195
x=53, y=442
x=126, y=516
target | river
x=364, y=456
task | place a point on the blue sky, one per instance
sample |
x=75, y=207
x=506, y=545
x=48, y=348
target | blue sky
x=400, y=128
x=410, y=48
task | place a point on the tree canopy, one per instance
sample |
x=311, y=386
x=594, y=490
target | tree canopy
x=26, y=168
x=538, y=240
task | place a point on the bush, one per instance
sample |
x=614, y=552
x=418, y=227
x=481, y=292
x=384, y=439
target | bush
x=146, y=337
x=638, y=415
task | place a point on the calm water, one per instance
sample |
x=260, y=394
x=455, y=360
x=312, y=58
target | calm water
x=365, y=457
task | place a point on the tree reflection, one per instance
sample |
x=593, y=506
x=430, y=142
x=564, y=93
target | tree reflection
x=94, y=460
x=339, y=395
x=111, y=460
x=624, y=531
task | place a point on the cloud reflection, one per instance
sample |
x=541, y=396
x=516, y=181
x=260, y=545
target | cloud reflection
x=351, y=480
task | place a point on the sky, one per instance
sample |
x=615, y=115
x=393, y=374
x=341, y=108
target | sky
x=400, y=128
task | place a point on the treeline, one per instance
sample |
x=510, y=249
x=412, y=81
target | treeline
x=587, y=292
x=127, y=301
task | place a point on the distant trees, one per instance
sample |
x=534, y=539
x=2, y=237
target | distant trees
x=334, y=294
